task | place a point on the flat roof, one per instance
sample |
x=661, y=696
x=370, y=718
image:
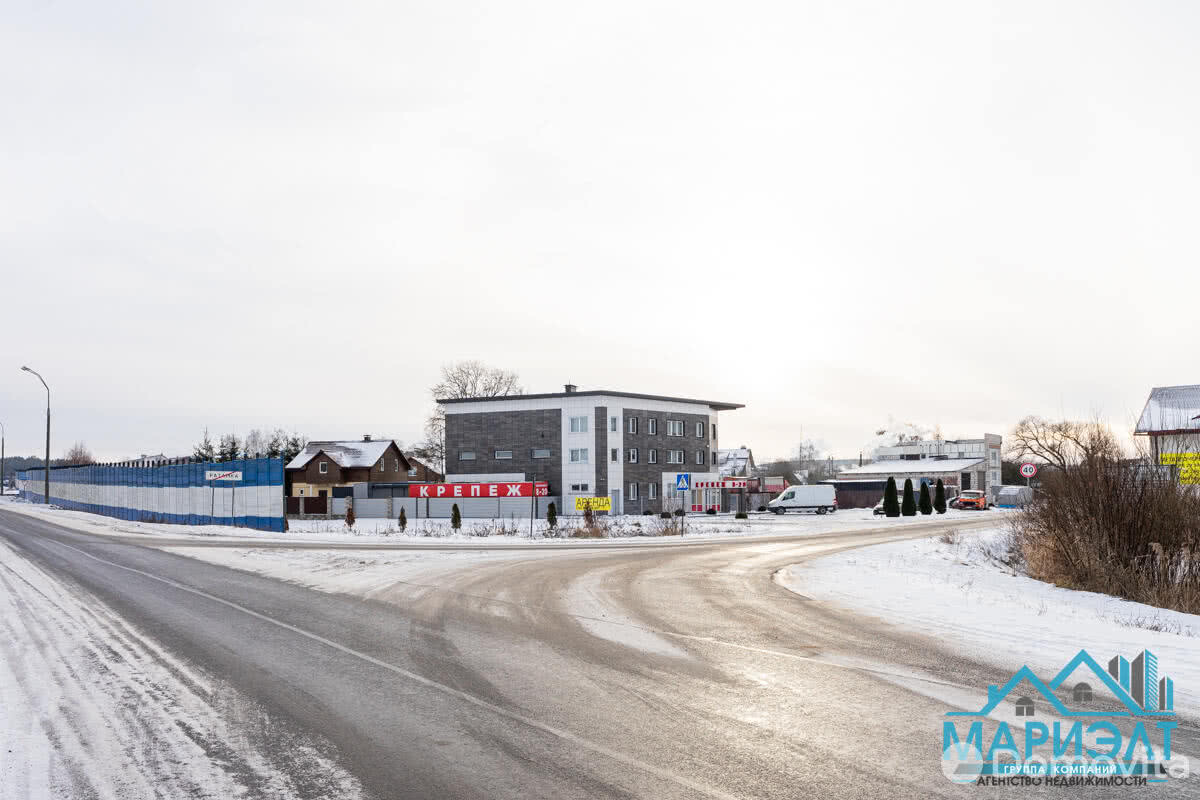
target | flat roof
x=914, y=466
x=714, y=404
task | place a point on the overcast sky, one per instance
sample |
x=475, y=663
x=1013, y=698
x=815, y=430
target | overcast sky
x=241, y=215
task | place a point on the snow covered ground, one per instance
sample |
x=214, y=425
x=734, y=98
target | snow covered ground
x=959, y=593
x=90, y=707
x=424, y=530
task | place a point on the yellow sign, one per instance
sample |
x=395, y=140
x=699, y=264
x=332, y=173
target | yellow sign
x=1187, y=464
x=594, y=503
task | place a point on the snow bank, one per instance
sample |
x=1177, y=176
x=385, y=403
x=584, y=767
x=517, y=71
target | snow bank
x=959, y=593
x=91, y=707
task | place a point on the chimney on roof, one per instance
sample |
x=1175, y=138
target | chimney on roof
x=570, y=388
x=366, y=437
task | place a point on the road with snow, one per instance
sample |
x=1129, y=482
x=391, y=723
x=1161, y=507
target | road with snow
x=660, y=670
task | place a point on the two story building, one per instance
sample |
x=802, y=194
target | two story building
x=594, y=443
x=333, y=469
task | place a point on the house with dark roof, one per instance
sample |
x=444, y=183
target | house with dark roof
x=332, y=469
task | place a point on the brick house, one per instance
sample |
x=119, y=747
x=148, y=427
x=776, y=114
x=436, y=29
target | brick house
x=419, y=472
x=331, y=469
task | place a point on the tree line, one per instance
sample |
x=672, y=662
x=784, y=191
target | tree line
x=256, y=444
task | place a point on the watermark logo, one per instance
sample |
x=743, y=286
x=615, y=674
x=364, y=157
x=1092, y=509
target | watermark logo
x=1088, y=726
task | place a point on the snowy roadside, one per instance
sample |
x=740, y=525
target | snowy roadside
x=91, y=707
x=432, y=531
x=959, y=593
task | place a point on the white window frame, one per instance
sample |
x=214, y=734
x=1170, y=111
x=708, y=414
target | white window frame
x=533, y=452
x=700, y=458
x=579, y=425
x=383, y=465
x=652, y=426
x=652, y=455
x=395, y=465
x=652, y=491
x=466, y=455
x=615, y=456
x=675, y=425
x=579, y=487
x=633, y=424
x=412, y=472
x=699, y=430
x=579, y=455
x=496, y=455
x=633, y=492
x=633, y=455
x=671, y=457
x=323, y=468
x=613, y=424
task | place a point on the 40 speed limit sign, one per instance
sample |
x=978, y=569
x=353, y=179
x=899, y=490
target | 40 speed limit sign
x=1028, y=470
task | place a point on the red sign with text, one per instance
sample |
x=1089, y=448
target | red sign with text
x=495, y=490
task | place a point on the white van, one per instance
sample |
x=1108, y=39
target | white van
x=820, y=498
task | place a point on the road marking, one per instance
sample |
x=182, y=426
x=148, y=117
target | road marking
x=565, y=735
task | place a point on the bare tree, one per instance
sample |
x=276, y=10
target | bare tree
x=79, y=455
x=460, y=379
x=1062, y=443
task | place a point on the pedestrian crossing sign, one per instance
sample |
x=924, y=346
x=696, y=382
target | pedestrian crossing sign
x=682, y=481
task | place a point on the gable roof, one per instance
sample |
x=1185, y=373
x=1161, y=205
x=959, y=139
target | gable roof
x=735, y=462
x=347, y=455
x=1171, y=408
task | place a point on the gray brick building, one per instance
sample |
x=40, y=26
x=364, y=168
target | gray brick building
x=592, y=443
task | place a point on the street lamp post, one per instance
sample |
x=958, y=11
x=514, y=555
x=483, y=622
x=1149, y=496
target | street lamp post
x=43, y=380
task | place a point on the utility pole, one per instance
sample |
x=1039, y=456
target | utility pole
x=1, y=458
x=43, y=380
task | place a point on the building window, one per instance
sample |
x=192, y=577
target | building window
x=652, y=456
x=714, y=431
x=579, y=487
x=302, y=493
x=995, y=457
x=1082, y=693
x=633, y=455
x=699, y=456
x=322, y=468
x=1024, y=707
x=633, y=424
x=674, y=427
x=633, y=492
x=579, y=455
x=578, y=424
x=543, y=452
x=652, y=426
x=503, y=455
x=699, y=430
x=613, y=424
x=653, y=491
x=382, y=466
x=412, y=472
x=466, y=455
x=616, y=455
x=674, y=456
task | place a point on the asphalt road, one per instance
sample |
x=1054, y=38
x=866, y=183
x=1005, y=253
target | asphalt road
x=672, y=671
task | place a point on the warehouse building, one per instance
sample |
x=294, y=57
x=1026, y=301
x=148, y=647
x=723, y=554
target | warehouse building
x=595, y=443
x=961, y=463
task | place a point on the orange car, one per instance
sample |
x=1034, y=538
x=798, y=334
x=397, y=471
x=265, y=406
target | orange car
x=973, y=499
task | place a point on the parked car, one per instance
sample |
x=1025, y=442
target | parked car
x=973, y=499
x=820, y=498
x=1013, y=496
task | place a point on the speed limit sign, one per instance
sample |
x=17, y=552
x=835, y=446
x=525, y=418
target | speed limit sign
x=1028, y=470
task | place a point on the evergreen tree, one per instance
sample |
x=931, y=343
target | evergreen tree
x=891, y=504
x=229, y=448
x=403, y=521
x=908, y=506
x=295, y=443
x=939, y=497
x=551, y=516
x=205, y=450
x=455, y=517
x=923, y=504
